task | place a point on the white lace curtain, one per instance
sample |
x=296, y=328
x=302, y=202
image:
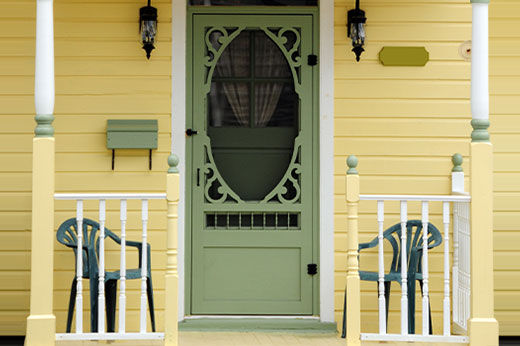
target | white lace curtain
x=234, y=62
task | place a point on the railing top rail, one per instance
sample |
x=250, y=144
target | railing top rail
x=97, y=196
x=422, y=198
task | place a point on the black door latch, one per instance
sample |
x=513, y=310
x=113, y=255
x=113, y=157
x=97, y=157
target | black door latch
x=312, y=269
x=190, y=132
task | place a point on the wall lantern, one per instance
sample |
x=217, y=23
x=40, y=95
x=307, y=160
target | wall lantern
x=148, y=27
x=356, y=29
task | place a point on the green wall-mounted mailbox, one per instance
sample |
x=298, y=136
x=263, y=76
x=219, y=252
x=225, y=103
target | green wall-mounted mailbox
x=132, y=134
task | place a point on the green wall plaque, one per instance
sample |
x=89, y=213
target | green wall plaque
x=404, y=56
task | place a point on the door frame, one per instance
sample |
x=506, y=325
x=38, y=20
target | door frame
x=323, y=290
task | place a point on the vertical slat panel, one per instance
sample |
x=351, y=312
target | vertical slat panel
x=101, y=287
x=455, y=268
x=382, y=308
x=446, y=302
x=79, y=267
x=404, y=269
x=144, y=264
x=425, y=299
x=122, y=280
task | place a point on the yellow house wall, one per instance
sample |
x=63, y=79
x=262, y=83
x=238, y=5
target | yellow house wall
x=404, y=123
x=101, y=73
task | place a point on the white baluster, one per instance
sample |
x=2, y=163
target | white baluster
x=144, y=264
x=446, y=302
x=79, y=267
x=382, y=308
x=425, y=300
x=101, y=287
x=122, y=283
x=404, y=269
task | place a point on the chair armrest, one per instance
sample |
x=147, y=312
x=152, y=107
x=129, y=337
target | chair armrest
x=369, y=245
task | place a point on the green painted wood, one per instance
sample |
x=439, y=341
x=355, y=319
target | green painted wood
x=352, y=163
x=457, y=159
x=480, y=130
x=256, y=271
x=44, y=125
x=404, y=56
x=132, y=134
x=287, y=325
x=173, y=162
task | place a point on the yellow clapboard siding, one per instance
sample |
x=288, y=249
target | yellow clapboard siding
x=101, y=73
x=391, y=119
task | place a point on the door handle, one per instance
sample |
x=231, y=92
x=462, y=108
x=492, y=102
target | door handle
x=191, y=132
x=198, y=176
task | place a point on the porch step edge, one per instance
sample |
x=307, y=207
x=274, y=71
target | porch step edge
x=276, y=325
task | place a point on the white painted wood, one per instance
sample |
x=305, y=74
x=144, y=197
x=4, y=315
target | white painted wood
x=326, y=158
x=480, y=62
x=461, y=265
x=44, y=60
x=79, y=267
x=425, y=298
x=430, y=198
x=381, y=298
x=404, y=269
x=101, y=287
x=415, y=338
x=446, y=301
x=106, y=196
x=178, y=121
x=122, y=270
x=457, y=182
x=144, y=264
x=110, y=336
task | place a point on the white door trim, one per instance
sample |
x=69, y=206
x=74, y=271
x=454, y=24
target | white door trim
x=326, y=57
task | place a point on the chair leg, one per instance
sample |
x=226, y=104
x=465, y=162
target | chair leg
x=429, y=309
x=344, y=331
x=94, y=304
x=72, y=302
x=411, y=306
x=149, y=291
x=388, y=287
x=110, y=303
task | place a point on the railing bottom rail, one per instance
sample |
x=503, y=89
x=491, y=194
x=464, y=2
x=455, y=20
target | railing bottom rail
x=110, y=336
x=415, y=338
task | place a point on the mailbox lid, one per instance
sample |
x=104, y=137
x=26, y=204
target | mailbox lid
x=132, y=134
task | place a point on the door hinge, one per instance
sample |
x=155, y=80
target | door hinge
x=312, y=269
x=312, y=60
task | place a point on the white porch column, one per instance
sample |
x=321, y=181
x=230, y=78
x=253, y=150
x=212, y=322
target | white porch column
x=41, y=324
x=482, y=325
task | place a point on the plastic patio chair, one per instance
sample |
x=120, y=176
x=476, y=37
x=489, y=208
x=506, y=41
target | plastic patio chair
x=414, y=250
x=67, y=235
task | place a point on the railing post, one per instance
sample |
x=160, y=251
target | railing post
x=172, y=277
x=41, y=323
x=482, y=325
x=353, y=305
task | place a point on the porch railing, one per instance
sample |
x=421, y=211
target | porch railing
x=121, y=333
x=455, y=205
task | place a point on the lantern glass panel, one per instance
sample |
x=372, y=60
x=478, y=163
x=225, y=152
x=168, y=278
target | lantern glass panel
x=148, y=31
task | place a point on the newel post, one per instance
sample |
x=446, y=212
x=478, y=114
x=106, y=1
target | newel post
x=41, y=323
x=172, y=273
x=353, y=294
x=482, y=325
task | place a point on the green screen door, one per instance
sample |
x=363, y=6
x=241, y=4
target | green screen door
x=252, y=164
